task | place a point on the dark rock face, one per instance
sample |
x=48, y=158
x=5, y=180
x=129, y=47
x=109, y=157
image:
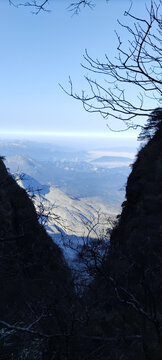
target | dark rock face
x=125, y=300
x=135, y=259
x=34, y=278
x=139, y=231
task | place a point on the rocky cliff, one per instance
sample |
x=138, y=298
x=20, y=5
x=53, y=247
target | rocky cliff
x=125, y=300
x=135, y=257
x=35, y=281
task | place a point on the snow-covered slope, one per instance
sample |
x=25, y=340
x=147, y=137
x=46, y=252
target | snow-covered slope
x=68, y=220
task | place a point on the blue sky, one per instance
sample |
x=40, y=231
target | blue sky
x=39, y=52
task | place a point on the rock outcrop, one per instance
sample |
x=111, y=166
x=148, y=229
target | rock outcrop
x=135, y=257
x=125, y=300
x=35, y=281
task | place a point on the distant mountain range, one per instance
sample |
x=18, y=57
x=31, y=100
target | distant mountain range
x=112, y=159
x=40, y=151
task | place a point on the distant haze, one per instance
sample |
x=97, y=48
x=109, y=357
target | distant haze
x=89, y=141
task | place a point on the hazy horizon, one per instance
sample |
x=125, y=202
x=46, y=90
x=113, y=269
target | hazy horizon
x=82, y=141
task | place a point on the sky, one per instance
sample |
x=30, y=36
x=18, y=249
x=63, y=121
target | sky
x=39, y=52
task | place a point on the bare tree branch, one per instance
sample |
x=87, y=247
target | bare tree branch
x=137, y=67
x=28, y=329
x=76, y=6
x=34, y=4
x=41, y=5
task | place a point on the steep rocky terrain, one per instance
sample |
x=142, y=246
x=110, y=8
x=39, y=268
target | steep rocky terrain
x=125, y=304
x=136, y=248
x=35, y=281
